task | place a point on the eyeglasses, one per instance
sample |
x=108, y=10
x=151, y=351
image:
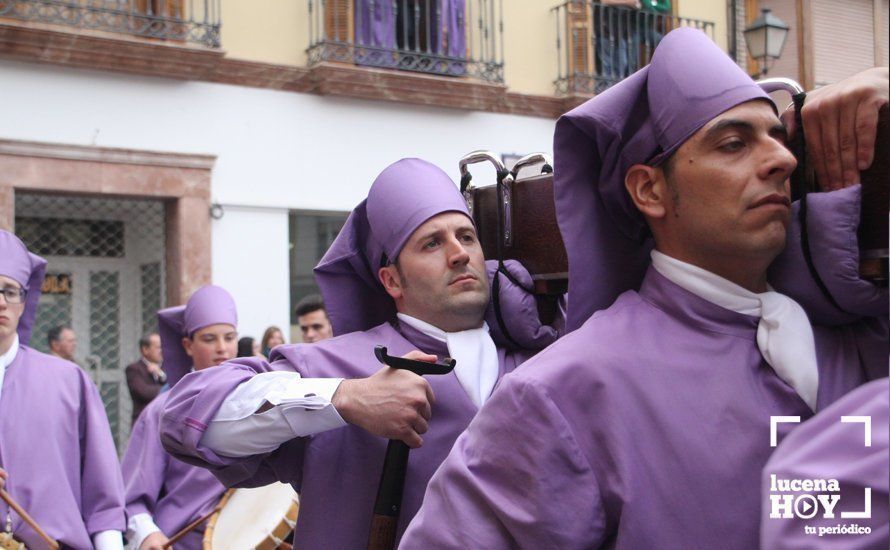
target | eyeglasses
x=13, y=295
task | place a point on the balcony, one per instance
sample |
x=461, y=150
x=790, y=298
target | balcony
x=599, y=45
x=452, y=38
x=177, y=21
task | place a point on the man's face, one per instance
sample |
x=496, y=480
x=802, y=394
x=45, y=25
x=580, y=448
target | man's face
x=66, y=345
x=9, y=313
x=728, y=189
x=315, y=326
x=440, y=277
x=152, y=352
x=211, y=345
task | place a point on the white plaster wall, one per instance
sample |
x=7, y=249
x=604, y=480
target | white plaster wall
x=274, y=149
x=250, y=260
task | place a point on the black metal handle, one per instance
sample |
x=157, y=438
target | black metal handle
x=445, y=366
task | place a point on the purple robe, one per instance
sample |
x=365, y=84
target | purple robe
x=172, y=492
x=647, y=427
x=826, y=448
x=336, y=472
x=56, y=444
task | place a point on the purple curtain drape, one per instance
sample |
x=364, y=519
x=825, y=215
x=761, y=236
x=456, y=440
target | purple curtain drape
x=375, y=23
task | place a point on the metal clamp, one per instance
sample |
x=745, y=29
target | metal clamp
x=505, y=189
x=530, y=160
x=770, y=85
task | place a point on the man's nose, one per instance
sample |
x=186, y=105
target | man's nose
x=458, y=255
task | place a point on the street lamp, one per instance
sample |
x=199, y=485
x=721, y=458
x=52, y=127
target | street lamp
x=765, y=39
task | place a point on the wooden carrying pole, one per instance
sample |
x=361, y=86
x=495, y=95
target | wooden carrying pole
x=28, y=519
x=191, y=526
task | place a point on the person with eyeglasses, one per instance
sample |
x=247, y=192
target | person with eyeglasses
x=56, y=451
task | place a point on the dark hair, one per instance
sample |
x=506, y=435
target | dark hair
x=245, y=346
x=145, y=340
x=310, y=303
x=55, y=334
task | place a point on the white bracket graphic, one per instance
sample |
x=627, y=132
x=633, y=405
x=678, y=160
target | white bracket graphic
x=864, y=420
x=774, y=421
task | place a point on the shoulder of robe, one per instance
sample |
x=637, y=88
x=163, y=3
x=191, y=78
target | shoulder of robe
x=51, y=365
x=594, y=351
x=316, y=359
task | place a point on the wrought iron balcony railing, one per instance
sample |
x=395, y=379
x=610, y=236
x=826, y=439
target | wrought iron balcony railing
x=598, y=45
x=442, y=37
x=194, y=21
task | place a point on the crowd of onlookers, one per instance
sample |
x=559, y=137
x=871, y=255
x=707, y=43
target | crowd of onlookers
x=146, y=378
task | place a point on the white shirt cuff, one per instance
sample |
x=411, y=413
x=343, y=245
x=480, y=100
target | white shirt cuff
x=108, y=540
x=139, y=527
x=301, y=407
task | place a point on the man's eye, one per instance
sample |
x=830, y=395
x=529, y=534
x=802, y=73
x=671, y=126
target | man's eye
x=432, y=244
x=732, y=145
x=469, y=238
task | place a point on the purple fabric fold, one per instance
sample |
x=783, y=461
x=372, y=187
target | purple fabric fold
x=26, y=269
x=832, y=223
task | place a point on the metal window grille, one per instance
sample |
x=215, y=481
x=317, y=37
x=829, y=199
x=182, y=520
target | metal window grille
x=175, y=20
x=599, y=45
x=105, y=279
x=466, y=39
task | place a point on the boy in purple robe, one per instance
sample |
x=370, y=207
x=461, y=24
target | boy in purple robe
x=648, y=425
x=55, y=442
x=406, y=272
x=164, y=495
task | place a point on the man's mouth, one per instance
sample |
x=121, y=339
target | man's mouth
x=461, y=278
x=773, y=199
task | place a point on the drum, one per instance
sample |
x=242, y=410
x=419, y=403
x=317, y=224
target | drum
x=259, y=518
x=7, y=542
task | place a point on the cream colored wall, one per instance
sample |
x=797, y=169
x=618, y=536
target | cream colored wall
x=707, y=10
x=277, y=31
x=530, y=46
x=273, y=31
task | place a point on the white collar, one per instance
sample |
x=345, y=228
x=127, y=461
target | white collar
x=7, y=358
x=784, y=333
x=475, y=352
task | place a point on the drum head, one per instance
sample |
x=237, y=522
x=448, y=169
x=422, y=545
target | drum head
x=254, y=518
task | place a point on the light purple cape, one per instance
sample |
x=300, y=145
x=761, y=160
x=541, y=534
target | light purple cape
x=405, y=195
x=26, y=269
x=826, y=448
x=209, y=305
x=642, y=119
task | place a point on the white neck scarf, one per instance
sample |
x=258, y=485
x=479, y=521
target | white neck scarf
x=7, y=358
x=784, y=333
x=476, y=355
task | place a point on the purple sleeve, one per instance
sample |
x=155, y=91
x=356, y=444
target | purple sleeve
x=519, y=310
x=826, y=448
x=512, y=480
x=193, y=403
x=144, y=465
x=102, y=497
x=832, y=224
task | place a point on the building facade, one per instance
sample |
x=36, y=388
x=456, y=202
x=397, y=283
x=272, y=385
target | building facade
x=152, y=146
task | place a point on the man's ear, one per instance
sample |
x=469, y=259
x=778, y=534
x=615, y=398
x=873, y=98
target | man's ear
x=187, y=346
x=391, y=281
x=648, y=190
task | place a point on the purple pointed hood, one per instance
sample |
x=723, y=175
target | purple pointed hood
x=209, y=305
x=404, y=196
x=26, y=269
x=642, y=119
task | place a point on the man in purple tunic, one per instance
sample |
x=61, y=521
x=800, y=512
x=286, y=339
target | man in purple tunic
x=649, y=425
x=55, y=442
x=406, y=272
x=164, y=495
